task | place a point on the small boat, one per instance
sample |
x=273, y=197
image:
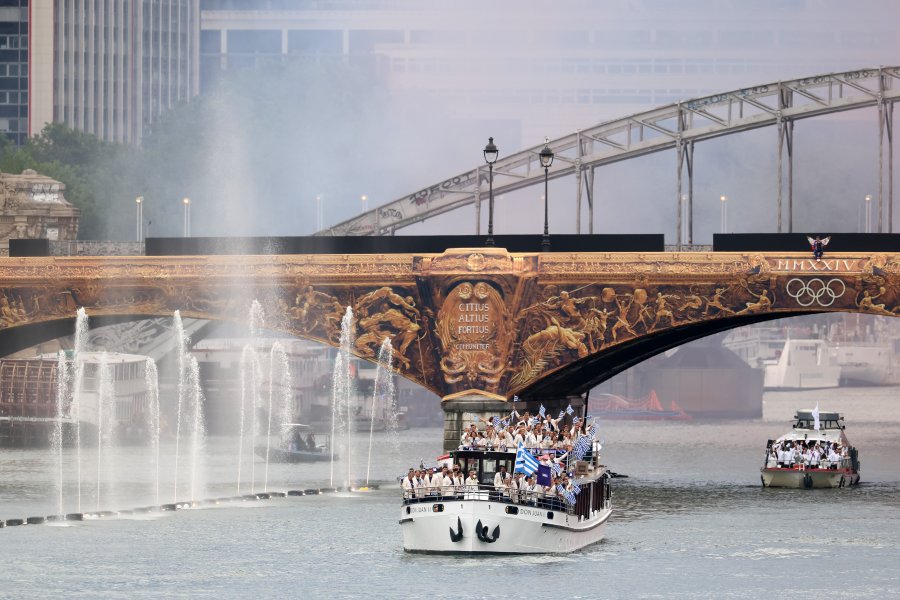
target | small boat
x=299, y=443
x=814, y=454
x=612, y=406
x=480, y=519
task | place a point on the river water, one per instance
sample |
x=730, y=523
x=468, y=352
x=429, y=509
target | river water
x=690, y=521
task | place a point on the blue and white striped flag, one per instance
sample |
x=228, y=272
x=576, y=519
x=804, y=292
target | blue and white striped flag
x=525, y=462
x=570, y=410
x=569, y=496
x=561, y=413
x=542, y=411
x=496, y=421
x=581, y=447
x=575, y=420
x=504, y=423
x=557, y=469
x=576, y=488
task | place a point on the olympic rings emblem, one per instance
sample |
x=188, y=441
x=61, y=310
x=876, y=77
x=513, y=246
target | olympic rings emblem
x=815, y=291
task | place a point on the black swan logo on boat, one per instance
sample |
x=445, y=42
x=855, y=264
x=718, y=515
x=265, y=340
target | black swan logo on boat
x=482, y=532
x=456, y=536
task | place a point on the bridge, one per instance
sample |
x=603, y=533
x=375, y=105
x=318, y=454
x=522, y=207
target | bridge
x=476, y=326
x=675, y=127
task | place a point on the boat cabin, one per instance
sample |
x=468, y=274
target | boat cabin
x=827, y=420
x=297, y=437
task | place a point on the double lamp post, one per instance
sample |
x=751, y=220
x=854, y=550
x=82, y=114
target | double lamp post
x=491, y=152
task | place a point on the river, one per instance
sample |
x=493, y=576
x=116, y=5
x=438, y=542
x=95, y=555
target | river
x=691, y=521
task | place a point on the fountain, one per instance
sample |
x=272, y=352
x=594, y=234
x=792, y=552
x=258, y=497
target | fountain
x=105, y=424
x=250, y=384
x=198, y=430
x=277, y=356
x=81, y=330
x=151, y=379
x=341, y=391
x=62, y=395
x=383, y=396
x=181, y=343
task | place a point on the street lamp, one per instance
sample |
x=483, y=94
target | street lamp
x=187, y=216
x=490, y=157
x=724, y=200
x=546, y=162
x=868, y=213
x=139, y=203
x=365, y=202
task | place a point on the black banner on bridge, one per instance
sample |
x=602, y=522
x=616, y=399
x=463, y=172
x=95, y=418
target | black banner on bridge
x=797, y=242
x=430, y=244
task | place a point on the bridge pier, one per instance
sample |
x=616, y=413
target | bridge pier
x=473, y=406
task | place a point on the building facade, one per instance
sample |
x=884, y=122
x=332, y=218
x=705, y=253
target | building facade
x=105, y=67
x=553, y=70
x=34, y=206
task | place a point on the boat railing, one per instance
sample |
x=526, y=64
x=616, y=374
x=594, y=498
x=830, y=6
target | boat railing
x=843, y=463
x=489, y=493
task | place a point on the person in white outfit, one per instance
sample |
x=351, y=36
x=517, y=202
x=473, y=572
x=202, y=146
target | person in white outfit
x=409, y=484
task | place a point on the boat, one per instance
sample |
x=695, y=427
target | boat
x=864, y=363
x=802, y=364
x=479, y=519
x=613, y=406
x=784, y=469
x=298, y=443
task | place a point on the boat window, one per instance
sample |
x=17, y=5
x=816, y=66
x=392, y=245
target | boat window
x=489, y=470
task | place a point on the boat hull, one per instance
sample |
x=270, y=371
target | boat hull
x=507, y=528
x=809, y=478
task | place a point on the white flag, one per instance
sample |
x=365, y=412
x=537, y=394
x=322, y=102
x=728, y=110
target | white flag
x=815, y=414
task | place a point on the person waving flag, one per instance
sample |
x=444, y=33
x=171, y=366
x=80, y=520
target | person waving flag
x=525, y=462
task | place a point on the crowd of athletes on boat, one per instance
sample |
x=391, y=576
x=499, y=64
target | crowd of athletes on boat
x=446, y=483
x=550, y=440
x=535, y=432
x=807, y=454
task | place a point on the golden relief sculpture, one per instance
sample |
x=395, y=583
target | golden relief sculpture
x=468, y=319
x=384, y=313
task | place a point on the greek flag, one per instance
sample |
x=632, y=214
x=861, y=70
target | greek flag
x=525, y=462
x=570, y=410
x=581, y=447
x=504, y=423
x=576, y=488
x=515, y=398
x=496, y=421
x=569, y=496
x=592, y=430
x=557, y=469
x=561, y=413
x=542, y=411
x=575, y=420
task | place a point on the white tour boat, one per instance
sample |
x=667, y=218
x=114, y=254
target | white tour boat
x=785, y=466
x=480, y=519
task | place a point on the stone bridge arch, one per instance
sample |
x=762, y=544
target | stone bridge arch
x=475, y=326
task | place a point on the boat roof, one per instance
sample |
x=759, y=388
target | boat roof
x=829, y=435
x=807, y=415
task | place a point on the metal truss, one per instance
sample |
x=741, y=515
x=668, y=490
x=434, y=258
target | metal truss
x=676, y=126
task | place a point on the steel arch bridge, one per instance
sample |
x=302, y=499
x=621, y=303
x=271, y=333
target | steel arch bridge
x=676, y=126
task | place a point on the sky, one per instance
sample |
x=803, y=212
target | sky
x=429, y=81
